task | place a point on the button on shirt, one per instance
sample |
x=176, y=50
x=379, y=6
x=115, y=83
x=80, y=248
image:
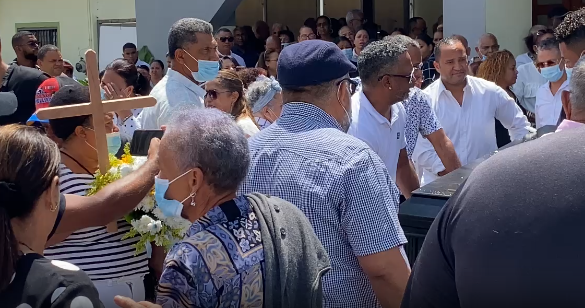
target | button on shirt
x=527, y=84
x=549, y=106
x=171, y=93
x=340, y=184
x=420, y=118
x=385, y=137
x=470, y=126
x=219, y=263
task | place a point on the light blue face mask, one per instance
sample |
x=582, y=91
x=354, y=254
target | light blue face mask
x=551, y=73
x=569, y=73
x=208, y=70
x=170, y=208
x=103, y=93
x=114, y=142
x=348, y=52
x=285, y=45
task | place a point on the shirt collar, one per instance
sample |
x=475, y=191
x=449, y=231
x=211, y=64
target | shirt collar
x=443, y=89
x=179, y=78
x=222, y=55
x=365, y=103
x=306, y=116
x=568, y=124
x=221, y=214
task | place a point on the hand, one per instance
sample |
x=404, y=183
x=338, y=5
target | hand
x=153, y=149
x=125, y=302
x=112, y=91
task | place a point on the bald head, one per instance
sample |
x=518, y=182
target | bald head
x=487, y=45
x=536, y=28
x=273, y=43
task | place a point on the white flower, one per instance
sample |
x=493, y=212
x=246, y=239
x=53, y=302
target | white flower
x=125, y=170
x=141, y=225
x=138, y=161
x=154, y=227
x=158, y=213
x=147, y=204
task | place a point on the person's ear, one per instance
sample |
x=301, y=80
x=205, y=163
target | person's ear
x=234, y=97
x=196, y=180
x=478, y=52
x=534, y=48
x=566, y=100
x=53, y=195
x=437, y=66
x=80, y=132
x=468, y=51
x=129, y=91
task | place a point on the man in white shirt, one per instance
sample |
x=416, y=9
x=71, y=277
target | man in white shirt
x=130, y=54
x=467, y=108
x=378, y=117
x=225, y=43
x=194, y=61
x=552, y=68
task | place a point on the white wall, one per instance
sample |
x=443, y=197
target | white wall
x=465, y=17
x=509, y=21
x=112, y=38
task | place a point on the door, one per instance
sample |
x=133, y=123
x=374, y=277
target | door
x=540, y=8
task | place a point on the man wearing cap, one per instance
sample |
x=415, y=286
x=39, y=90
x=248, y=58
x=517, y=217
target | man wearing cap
x=68, y=68
x=306, y=158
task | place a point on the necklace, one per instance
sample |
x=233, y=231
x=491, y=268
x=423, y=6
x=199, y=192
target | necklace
x=78, y=163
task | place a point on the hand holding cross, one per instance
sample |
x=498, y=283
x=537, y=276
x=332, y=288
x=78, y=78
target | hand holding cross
x=97, y=109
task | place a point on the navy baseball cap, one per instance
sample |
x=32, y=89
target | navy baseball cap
x=311, y=63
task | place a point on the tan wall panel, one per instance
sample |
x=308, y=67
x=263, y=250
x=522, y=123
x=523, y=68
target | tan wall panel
x=389, y=14
x=339, y=8
x=248, y=12
x=291, y=13
x=430, y=10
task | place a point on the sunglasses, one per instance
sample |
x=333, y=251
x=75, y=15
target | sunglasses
x=352, y=85
x=226, y=39
x=212, y=94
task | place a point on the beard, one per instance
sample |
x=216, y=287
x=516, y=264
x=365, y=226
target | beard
x=30, y=56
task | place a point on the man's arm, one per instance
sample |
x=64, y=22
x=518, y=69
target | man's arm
x=370, y=222
x=445, y=150
x=511, y=116
x=406, y=177
x=112, y=202
x=388, y=273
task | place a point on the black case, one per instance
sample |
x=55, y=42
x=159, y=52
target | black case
x=141, y=141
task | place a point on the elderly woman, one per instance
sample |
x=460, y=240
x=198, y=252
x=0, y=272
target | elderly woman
x=226, y=93
x=265, y=97
x=109, y=260
x=241, y=251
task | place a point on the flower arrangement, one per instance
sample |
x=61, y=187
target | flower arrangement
x=147, y=220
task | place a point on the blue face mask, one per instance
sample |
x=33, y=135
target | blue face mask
x=208, y=70
x=114, y=142
x=569, y=73
x=551, y=73
x=170, y=208
x=348, y=52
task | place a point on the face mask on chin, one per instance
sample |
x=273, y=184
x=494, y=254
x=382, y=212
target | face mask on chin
x=169, y=207
x=208, y=70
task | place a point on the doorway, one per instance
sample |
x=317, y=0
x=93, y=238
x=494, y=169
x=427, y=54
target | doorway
x=540, y=8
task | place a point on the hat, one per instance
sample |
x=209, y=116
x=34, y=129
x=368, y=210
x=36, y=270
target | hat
x=310, y=63
x=67, y=64
x=8, y=103
x=45, y=93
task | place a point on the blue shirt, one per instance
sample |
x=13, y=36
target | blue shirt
x=219, y=263
x=340, y=184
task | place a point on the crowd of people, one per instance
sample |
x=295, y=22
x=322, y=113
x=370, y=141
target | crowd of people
x=290, y=155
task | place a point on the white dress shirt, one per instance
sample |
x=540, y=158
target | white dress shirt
x=239, y=59
x=384, y=137
x=471, y=125
x=549, y=106
x=523, y=59
x=527, y=84
x=171, y=93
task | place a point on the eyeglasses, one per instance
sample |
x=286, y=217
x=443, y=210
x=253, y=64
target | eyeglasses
x=352, y=85
x=212, y=94
x=226, y=39
x=410, y=76
x=548, y=63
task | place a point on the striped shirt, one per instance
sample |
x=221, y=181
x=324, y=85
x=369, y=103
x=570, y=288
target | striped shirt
x=100, y=254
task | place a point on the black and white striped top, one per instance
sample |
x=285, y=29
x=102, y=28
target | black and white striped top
x=100, y=254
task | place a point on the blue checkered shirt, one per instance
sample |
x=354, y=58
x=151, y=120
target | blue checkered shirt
x=340, y=184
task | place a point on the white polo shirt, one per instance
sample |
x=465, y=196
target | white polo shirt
x=548, y=106
x=384, y=137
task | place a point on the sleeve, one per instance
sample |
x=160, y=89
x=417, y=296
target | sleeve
x=369, y=214
x=428, y=119
x=129, y=126
x=77, y=295
x=147, y=119
x=185, y=277
x=425, y=157
x=510, y=115
x=432, y=281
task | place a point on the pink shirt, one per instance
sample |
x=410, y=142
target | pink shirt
x=568, y=124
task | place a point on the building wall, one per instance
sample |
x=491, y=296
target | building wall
x=77, y=21
x=510, y=22
x=430, y=10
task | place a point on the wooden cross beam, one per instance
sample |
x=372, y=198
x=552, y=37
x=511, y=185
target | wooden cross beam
x=96, y=108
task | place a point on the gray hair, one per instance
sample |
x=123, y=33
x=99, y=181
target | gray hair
x=184, y=32
x=258, y=93
x=548, y=44
x=211, y=140
x=402, y=39
x=379, y=56
x=351, y=14
x=222, y=30
x=577, y=85
x=45, y=49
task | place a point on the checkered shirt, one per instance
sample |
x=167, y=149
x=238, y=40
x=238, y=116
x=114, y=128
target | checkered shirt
x=430, y=74
x=340, y=184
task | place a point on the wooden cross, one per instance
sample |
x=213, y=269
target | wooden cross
x=96, y=108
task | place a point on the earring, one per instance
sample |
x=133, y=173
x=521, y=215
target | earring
x=54, y=208
x=193, y=200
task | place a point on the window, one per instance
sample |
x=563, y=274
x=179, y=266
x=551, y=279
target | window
x=46, y=33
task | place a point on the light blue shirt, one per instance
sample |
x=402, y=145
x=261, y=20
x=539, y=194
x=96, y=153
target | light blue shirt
x=340, y=184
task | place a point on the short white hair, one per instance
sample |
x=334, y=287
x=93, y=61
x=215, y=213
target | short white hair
x=577, y=86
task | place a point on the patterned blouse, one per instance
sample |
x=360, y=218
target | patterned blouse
x=420, y=118
x=220, y=262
